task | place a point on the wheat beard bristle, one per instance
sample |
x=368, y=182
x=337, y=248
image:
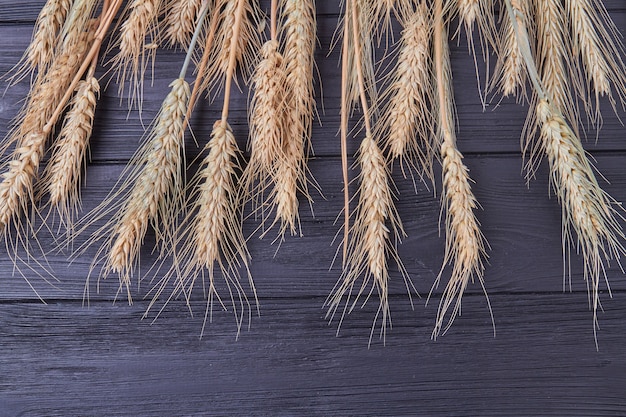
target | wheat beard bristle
x=370, y=246
x=587, y=209
x=406, y=117
x=62, y=175
x=49, y=23
x=155, y=195
x=180, y=21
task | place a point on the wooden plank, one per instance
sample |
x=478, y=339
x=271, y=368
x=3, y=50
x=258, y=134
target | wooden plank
x=67, y=360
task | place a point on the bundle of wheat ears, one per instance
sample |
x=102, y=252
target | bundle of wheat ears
x=559, y=57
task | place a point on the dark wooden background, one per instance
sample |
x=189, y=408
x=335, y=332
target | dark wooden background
x=64, y=359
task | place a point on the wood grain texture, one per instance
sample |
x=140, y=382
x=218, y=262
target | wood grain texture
x=66, y=359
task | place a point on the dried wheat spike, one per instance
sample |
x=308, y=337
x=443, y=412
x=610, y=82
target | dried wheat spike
x=510, y=74
x=587, y=210
x=41, y=50
x=248, y=42
x=137, y=48
x=596, y=43
x=210, y=234
x=370, y=245
x=62, y=176
x=31, y=133
x=179, y=22
x=151, y=193
x=406, y=121
x=267, y=127
x=551, y=55
x=465, y=244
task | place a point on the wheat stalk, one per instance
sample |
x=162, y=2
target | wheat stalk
x=61, y=178
x=465, y=244
x=151, y=193
x=406, y=120
x=179, y=22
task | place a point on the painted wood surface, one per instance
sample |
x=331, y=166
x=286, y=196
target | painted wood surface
x=65, y=359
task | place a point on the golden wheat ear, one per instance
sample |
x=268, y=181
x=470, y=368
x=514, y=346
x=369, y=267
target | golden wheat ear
x=595, y=43
x=376, y=221
x=178, y=25
x=61, y=179
x=510, y=73
x=406, y=122
x=149, y=194
x=210, y=236
x=42, y=48
x=135, y=43
x=465, y=243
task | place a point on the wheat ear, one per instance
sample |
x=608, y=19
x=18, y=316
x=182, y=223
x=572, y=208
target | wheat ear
x=267, y=125
x=510, y=74
x=551, y=53
x=149, y=195
x=465, y=244
x=41, y=50
x=599, y=51
x=587, y=210
x=248, y=40
x=210, y=235
x=369, y=243
x=32, y=131
x=61, y=178
x=406, y=122
x=137, y=34
x=179, y=22
x=299, y=37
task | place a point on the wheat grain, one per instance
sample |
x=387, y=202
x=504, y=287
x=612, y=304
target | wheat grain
x=465, y=244
x=61, y=178
x=406, y=120
x=587, y=210
x=180, y=21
